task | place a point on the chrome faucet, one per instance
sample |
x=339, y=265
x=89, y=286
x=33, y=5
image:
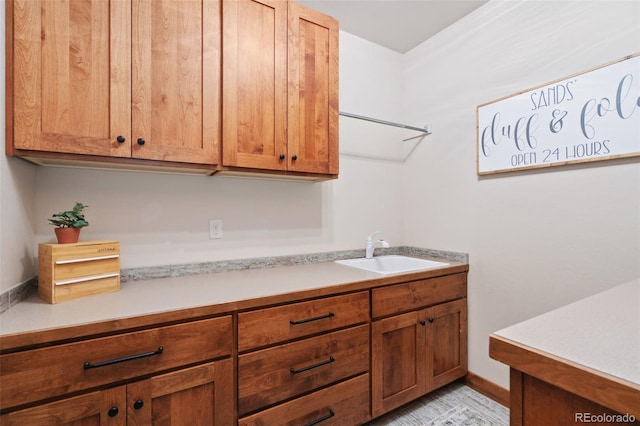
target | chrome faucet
x=372, y=245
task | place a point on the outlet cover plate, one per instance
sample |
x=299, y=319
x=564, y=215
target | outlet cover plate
x=215, y=229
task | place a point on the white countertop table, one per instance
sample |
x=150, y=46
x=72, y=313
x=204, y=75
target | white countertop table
x=601, y=332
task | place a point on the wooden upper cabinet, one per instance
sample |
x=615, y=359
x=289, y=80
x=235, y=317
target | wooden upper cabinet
x=176, y=80
x=70, y=70
x=313, y=91
x=117, y=78
x=254, y=81
x=124, y=81
x=280, y=87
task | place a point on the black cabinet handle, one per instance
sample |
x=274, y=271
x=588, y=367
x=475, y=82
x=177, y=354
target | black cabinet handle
x=113, y=411
x=120, y=139
x=282, y=156
x=88, y=365
x=294, y=157
x=141, y=141
x=423, y=322
x=138, y=404
x=321, y=419
x=430, y=319
x=311, y=367
x=302, y=321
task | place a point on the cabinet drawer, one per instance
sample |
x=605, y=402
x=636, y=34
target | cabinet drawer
x=67, y=270
x=273, y=325
x=417, y=294
x=272, y=375
x=57, y=370
x=346, y=403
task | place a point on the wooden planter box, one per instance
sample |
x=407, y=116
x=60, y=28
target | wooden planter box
x=69, y=271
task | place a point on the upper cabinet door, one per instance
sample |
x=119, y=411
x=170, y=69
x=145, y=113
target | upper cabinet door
x=254, y=78
x=70, y=69
x=313, y=91
x=176, y=80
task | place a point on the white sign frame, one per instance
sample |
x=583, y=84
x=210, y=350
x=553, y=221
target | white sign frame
x=589, y=116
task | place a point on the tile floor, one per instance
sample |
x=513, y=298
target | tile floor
x=452, y=405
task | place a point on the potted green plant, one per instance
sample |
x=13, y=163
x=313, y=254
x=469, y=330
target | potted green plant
x=68, y=224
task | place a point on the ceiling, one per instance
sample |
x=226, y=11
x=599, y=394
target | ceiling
x=399, y=25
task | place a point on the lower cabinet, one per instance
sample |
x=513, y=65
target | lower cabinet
x=416, y=352
x=325, y=361
x=200, y=395
x=340, y=359
x=179, y=374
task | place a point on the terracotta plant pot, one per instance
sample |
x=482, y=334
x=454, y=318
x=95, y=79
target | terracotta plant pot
x=67, y=235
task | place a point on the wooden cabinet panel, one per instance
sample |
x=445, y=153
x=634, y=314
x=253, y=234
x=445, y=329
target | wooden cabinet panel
x=398, y=362
x=70, y=76
x=254, y=78
x=281, y=323
x=313, y=91
x=58, y=370
x=346, y=403
x=176, y=80
x=101, y=408
x=199, y=395
x=271, y=375
x=536, y=402
x=417, y=294
x=446, y=342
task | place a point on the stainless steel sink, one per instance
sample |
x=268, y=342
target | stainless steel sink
x=392, y=264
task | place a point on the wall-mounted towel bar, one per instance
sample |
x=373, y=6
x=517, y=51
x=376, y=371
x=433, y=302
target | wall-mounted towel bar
x=426, y=129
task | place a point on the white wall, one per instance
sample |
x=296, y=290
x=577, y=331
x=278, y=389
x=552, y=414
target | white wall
x=163, y=219
x=17, y=205
x=537, y=239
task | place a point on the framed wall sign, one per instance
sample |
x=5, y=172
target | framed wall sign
x=590, y=116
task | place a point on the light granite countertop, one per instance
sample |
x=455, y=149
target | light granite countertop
x=150, y=301
x=601, y=332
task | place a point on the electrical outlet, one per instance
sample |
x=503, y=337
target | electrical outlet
x=215, y=229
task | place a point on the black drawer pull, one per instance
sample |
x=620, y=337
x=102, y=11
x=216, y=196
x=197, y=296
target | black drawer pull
x=311, y=367
x=302, y=321
x=88, y=365
x=321, y=419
